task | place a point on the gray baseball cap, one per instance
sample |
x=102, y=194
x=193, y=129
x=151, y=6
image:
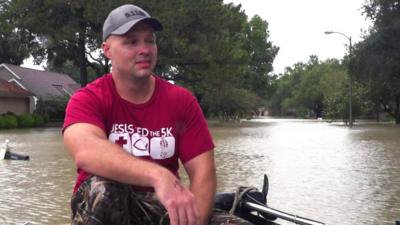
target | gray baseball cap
x=123, y=18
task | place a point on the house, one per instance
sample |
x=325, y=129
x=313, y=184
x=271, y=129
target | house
x=45, y=85
x=15, y=99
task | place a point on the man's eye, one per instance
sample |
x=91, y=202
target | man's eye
x=151, y=41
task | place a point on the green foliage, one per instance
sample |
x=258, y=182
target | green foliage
x=208, y=47
x=39, y=121
x=63, y=30
x=53, y=110
x=228, y=103
x=373, y=68
x=205, y=44
x=25, y=120
x=14, y=43
x=298, y=91
x=262, y=54
x=318, y=89
x=8, y=121
x=335, y=86
x=375, y=62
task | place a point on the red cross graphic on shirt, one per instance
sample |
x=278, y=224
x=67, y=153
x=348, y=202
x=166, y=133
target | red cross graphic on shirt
x=121, y=141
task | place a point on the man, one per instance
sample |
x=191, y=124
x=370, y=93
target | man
x=126, y=132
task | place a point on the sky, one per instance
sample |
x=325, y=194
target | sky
x=297, y=27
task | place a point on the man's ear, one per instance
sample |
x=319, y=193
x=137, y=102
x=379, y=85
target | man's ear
x=106, y=49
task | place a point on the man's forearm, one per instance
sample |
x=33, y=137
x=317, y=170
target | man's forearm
x=203, y=183
x=93, y=153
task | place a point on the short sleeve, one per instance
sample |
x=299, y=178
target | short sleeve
x=84, y=107
x=195, y=137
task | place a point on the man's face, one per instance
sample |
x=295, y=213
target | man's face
x=133, y=54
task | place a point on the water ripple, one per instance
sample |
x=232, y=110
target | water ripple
x=326, y=172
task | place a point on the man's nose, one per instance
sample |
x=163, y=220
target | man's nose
x=145, y=48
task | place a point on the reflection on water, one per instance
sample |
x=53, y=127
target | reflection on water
x=318, y=170
x=38, y=190
x=327, y=172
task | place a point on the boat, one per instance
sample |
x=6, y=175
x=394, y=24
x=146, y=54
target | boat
x=251, y=205
x=8, y=155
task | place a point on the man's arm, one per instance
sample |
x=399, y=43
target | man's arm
x=95, y=154
x=203, y=182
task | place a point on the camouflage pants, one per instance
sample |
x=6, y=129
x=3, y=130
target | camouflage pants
x=99, y=201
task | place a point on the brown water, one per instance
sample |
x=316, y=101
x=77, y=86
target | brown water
x=323, y=171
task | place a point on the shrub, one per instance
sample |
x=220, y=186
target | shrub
x=1, y=122
x=53, y=110
x=26, y=120
x=10, y=114
x=8, y=121
x=39, y=120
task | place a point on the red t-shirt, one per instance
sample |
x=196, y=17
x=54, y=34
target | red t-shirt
x=169, y=126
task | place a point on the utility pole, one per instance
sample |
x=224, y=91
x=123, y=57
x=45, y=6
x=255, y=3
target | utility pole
x=350, y=79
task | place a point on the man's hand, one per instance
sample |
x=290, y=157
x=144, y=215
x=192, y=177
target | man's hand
x=203, y=182
x=177, y=199
x=91, y=150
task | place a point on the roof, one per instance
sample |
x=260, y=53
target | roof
x=8, y=89
x=44, y=84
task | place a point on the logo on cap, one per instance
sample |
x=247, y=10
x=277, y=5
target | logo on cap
x=134, y=13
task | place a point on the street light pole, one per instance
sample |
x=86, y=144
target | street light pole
x=350, y=80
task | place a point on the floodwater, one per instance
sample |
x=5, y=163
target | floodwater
x=318, y=170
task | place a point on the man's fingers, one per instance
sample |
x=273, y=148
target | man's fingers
x=197, y=214
x=183, y=220
x=179, y=202
x=173, y=216
x=193, y=215
x=183, y=212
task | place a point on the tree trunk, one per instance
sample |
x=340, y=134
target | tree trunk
x=106, y=68
x=397, y=109
x=394, y=109
x=82, y=60
x=377, y=111
x=82, y=49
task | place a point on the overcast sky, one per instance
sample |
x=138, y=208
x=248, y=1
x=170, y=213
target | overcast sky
x=297, y=27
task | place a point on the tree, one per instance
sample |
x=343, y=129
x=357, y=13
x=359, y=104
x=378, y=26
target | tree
x=317, y=89
x=206, y=46
x=284, y=88
x=308, y=94
x=376, y=58
x=334, y=84
x=262, y=53
x=64, y=30
x=14, y=43
x=304, y=95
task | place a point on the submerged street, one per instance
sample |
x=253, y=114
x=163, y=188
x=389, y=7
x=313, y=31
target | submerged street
x=318, y=170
